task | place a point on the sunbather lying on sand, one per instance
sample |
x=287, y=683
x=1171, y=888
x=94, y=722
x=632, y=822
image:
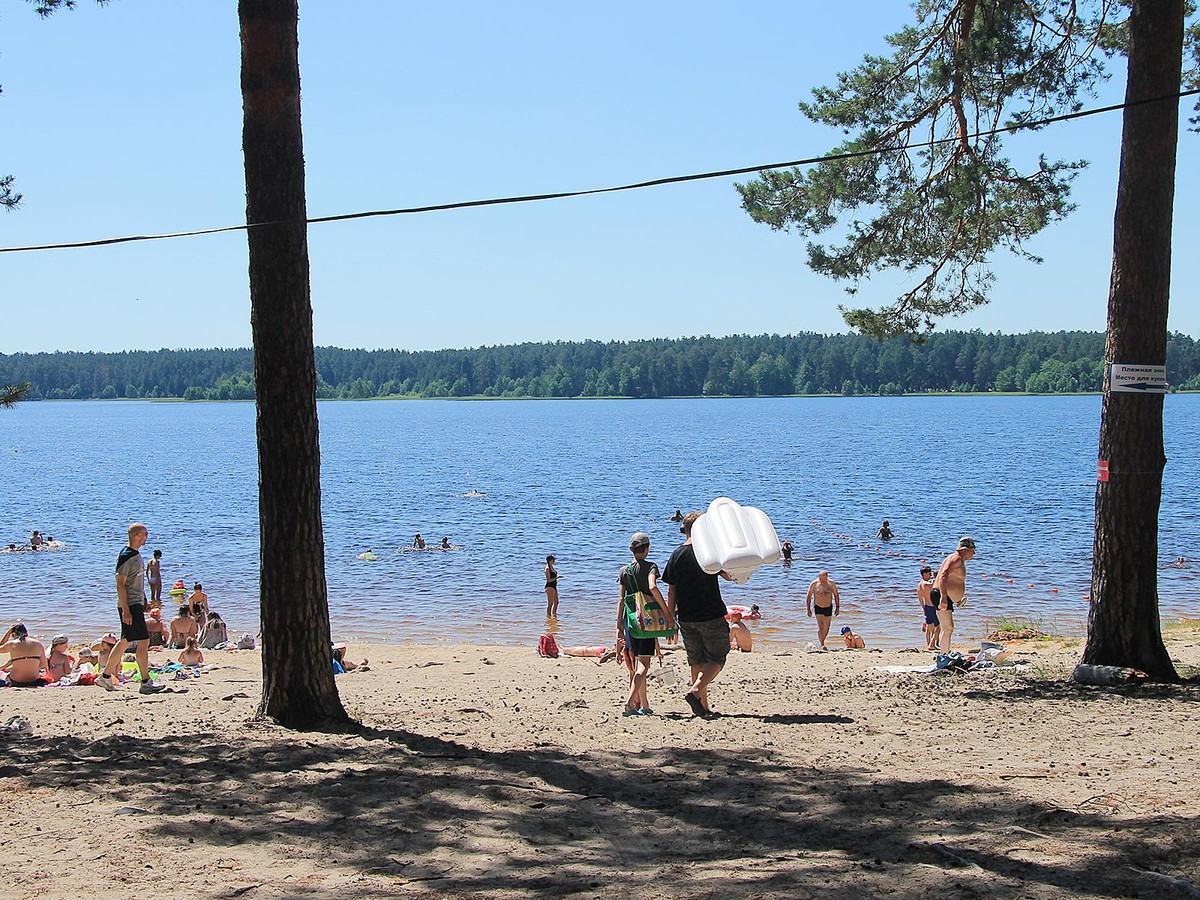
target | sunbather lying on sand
x=602, y=654
x=346, y=664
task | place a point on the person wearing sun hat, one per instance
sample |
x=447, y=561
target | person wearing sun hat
x=102, y=648
x=951, y=583
x=342, y=663
x=741, y=638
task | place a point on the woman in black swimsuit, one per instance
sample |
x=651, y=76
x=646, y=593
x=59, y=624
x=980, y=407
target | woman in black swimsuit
x=199, y=605
x=551, y=588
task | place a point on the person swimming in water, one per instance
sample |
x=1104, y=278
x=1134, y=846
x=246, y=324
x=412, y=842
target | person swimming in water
x=418, y=542
x=885, y=531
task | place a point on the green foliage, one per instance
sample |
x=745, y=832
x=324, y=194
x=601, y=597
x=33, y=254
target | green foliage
x=1191, y=71
x=45, y=8
x=742, y=366
x=924, y=184
x=9, y=198
x=1021, y=627
x=12, y=394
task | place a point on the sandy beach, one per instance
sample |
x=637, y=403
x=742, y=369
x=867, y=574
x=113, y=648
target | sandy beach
x=492, y=772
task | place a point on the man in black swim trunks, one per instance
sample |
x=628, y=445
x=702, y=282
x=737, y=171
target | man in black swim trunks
x=131, y=604
x=951, y=584
x=824, y=599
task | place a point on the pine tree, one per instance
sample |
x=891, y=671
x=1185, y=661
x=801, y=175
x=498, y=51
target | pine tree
x=926, y=163
x=298, y=686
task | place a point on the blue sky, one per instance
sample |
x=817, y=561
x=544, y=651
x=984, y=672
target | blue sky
x=127, y=120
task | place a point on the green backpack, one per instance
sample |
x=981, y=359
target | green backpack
x=644, y=617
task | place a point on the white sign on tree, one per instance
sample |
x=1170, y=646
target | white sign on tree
x=1131, y=379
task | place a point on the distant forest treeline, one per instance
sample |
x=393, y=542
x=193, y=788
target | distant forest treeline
x=742, y=365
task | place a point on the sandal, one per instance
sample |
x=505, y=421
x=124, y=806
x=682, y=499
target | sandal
x=693, y=700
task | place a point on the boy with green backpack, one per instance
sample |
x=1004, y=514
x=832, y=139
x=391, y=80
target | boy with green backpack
x=643, y=616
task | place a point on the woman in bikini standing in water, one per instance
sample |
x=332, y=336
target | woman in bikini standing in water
x=551, y=588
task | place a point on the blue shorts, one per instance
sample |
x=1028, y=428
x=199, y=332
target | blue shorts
x=930, y=615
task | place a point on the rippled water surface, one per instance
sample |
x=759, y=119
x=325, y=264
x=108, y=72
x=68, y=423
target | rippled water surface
x=575, y=478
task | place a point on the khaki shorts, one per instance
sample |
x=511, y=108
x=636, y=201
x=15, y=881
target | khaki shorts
x=706, y=642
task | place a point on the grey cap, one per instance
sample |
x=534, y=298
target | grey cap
x=58, y=639
x=639, y=539
x=966, y=543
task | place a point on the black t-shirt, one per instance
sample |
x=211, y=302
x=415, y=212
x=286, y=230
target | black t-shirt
x=641, y=574
x=697, y=594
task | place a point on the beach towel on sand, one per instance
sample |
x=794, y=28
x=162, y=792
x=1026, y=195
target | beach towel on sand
x=214, y=633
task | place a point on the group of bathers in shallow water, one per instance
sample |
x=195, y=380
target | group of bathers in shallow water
x=37, y=541
x=418, y=544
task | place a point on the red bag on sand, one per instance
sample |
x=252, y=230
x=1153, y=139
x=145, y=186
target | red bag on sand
x=547, y=646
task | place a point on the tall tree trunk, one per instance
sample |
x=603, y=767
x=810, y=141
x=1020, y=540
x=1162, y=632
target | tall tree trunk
x=298, y=686
x=1123, y=625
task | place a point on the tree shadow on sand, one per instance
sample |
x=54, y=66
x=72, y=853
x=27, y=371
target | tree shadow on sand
x=793, y=719
x=1185, y=691
x=398, y=808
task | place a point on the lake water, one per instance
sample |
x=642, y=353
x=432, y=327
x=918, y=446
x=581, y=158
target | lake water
x=575, y=478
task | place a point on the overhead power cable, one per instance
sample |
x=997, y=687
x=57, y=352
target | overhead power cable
x=563, y=195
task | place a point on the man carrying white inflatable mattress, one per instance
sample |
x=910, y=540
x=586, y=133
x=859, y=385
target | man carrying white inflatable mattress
x=729, y=541
x=700, y=613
